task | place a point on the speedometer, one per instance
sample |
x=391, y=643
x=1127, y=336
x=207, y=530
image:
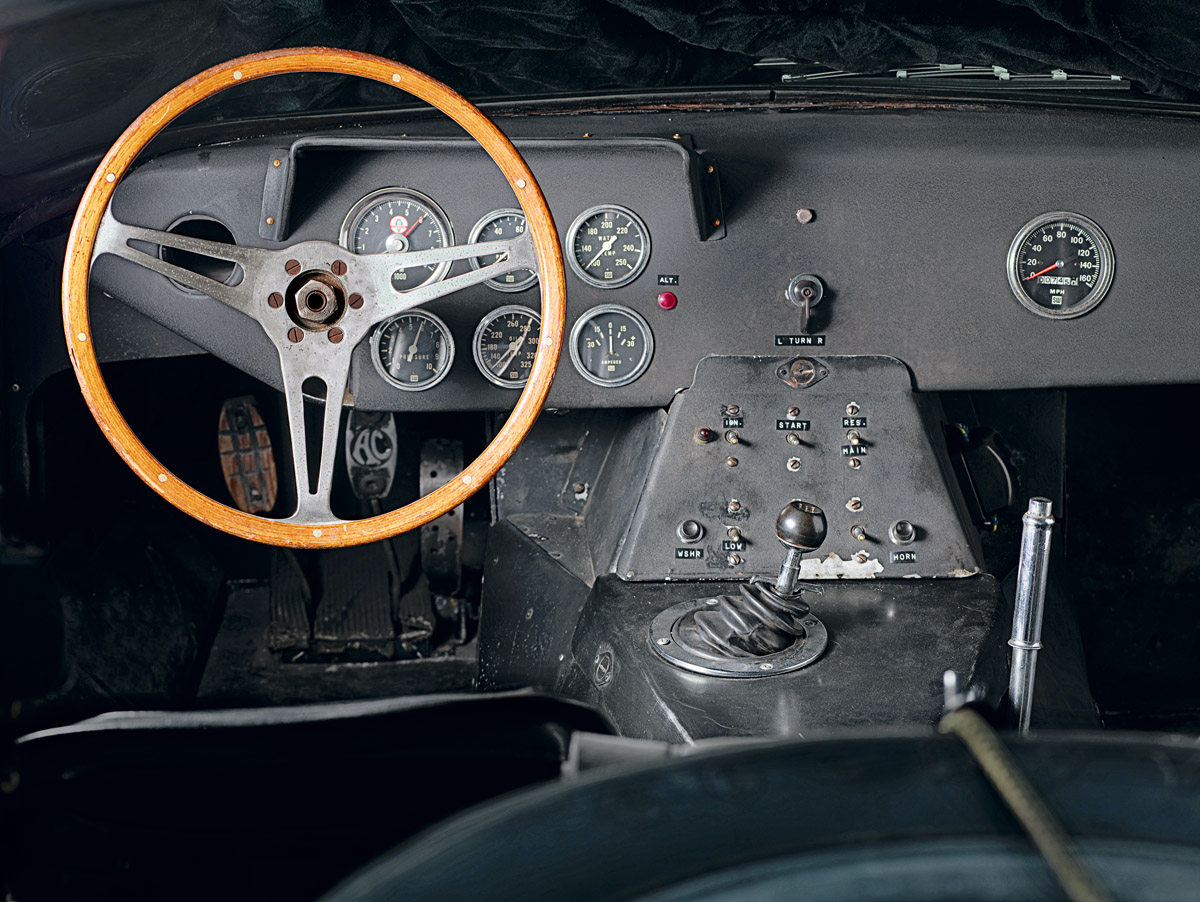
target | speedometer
x=1060, y=265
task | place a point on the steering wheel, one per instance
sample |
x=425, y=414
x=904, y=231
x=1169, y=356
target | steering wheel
x=354, y=294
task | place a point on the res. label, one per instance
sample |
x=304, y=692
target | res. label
x=854, y=422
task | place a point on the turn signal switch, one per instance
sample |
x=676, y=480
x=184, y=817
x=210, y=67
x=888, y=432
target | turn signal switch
x=766, y=628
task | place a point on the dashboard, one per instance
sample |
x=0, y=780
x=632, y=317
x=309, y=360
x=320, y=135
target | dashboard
x=683, y=231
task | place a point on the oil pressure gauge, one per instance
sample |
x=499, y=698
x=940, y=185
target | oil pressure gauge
x=611, y=345
x=1060, y=265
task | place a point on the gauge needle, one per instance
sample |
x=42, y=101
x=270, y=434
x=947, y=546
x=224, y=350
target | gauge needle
x=513, y=347
x=604, y=249
x=1055, y=265
x=412, y=348
x=414, y=225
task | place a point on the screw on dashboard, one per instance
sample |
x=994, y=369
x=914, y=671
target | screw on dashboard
x=355, y=301
x=804, y=215
x=275, y=300
x=295, y=334
x=336, y=335
x=731, y=461
x=854, y=463
x=292, y=267
x=338, y=267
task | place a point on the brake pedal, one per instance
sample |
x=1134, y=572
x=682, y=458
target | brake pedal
x=247, y=459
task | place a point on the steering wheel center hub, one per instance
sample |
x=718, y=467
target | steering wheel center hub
x=315, y=300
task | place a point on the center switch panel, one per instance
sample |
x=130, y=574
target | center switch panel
x=847, y=433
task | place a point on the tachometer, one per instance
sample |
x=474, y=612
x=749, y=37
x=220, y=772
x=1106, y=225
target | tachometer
x=496, y=226
x=395, y=220
x=413, y=351
x=1060, y=265
x=609, y=246
x=506, y=341
x=611, y=345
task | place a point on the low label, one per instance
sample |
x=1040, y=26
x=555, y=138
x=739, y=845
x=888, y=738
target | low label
x=728, y=545
x=854, y=422
x=668, y=280
x=792, y=425
x=799, y=341
x=902, y=557
x=689, y=554
x=854, y=450
x=733, y=423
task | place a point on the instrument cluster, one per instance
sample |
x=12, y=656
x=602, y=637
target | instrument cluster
x=607, y=246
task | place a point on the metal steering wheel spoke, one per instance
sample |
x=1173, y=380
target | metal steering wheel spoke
x=517, y=253
x=115, y=237
x=313, y=372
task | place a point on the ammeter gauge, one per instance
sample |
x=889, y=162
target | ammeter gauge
x=611, y=345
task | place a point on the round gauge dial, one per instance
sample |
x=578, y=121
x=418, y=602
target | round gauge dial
x=497, y=226
x=609, y=246
x=396, y=220
x=611, y=345
x=506, y=341
x=1060, y=265
x=413, y=350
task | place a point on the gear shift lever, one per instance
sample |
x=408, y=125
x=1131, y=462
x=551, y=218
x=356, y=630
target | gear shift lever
x=801, y=528
x=763, y=629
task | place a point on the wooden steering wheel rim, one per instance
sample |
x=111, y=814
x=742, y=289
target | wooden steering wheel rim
x=77, y=326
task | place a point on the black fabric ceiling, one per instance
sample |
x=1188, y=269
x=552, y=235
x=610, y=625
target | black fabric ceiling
x=74, y=73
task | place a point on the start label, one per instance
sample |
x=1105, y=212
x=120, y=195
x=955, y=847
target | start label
x=793, y=425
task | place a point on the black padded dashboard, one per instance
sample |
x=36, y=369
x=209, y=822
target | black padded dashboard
x=914, y=213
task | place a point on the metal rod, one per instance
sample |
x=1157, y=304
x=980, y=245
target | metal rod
x=789, y=573
x=1030, y=604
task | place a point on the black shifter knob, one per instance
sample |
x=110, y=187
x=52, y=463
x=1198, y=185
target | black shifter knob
x=801, y=526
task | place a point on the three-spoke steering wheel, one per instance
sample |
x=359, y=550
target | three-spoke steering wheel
x=315, y=301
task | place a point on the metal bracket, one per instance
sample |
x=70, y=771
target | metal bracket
x=441, y=540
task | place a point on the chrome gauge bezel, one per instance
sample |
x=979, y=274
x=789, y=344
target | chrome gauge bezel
x=647, y=345
x=447, y=337
x=577, y=267
x=350, y=223
x=1108, y=265
x=487, y=320
x=477, y=230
